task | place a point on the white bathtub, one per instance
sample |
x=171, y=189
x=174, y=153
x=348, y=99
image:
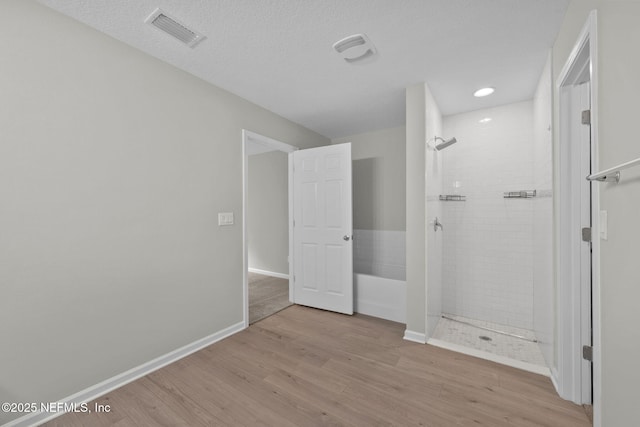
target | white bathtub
x=380, y=297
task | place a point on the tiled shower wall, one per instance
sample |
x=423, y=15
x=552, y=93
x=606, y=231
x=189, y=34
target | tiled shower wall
x=543, y=288
x=487, y=239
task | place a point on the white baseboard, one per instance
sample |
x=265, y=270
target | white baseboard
x=268, y=273
x=418, y=337
x=554, y=380
x=97, y=390
x=530, y=367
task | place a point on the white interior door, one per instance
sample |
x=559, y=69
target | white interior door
x=322, y=228
x=579, y=205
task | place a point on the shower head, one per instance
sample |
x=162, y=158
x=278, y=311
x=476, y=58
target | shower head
x=444, y=143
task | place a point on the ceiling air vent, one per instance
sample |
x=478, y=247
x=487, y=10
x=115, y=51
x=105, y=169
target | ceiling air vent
x=355, y=48
x=172, y=27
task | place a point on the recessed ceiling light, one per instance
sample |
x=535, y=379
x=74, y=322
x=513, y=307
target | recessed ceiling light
x=485, y=120
x=483, y=92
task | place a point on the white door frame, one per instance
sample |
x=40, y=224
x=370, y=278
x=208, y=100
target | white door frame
x=271, y=145
x=582, y=62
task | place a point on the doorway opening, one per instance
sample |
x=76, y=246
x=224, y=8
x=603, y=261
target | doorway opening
x=265, y=226
x=314, y=232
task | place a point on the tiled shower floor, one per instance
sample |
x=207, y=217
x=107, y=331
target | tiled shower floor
x=500, y=345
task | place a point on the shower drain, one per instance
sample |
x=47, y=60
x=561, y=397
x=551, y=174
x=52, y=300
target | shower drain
x=484, y=338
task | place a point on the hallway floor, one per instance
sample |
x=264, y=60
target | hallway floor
x=267, y=295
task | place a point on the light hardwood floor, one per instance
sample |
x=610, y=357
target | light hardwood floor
x=306, y=367
x=267, y=295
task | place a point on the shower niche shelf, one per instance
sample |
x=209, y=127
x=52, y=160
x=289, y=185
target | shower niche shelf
x=524, y=194
x=452, y=198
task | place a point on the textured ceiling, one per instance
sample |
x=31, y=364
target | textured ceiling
x=278, y=54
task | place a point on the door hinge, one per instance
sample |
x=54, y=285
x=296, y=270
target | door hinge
x=587, y=353
x=586, y=117
x=586, y=234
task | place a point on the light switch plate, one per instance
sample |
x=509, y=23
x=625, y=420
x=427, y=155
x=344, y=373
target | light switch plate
x=603, y=225
x=225, y=218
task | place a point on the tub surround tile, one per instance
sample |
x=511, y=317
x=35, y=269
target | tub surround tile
x=380, y=253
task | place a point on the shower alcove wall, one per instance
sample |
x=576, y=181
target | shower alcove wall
x=482, y=268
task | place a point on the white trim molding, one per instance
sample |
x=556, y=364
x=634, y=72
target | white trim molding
x=419, y=337
x=268, y=273
x=265, y=141
x=271, y=144
x=117, y=381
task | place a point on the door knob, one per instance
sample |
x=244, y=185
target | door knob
x=346, y=237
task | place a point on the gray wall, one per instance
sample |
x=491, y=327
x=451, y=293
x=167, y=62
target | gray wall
x=113, y=167
x=424, y=122
x=379, y=176
x=268, y=212
x=618, y=89
x=416, y=192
